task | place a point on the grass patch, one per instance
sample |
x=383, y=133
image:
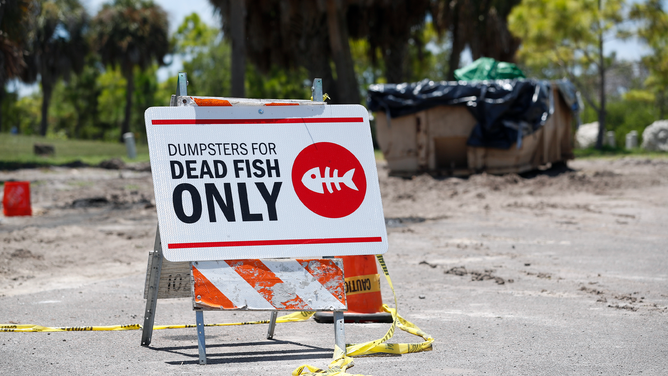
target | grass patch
x=17, y=150
x=610, y=152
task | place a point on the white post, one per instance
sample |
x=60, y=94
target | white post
x=632, y=140
x=129, y=139
x=611, y=139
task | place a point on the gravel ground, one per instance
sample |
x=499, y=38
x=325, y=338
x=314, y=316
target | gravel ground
x=560, y=271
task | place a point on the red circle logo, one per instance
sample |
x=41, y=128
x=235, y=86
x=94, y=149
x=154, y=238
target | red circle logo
x=329, y=180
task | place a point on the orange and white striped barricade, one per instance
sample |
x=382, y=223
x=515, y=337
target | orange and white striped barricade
x=269, y=285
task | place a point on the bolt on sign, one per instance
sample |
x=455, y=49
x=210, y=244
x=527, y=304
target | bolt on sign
x=258, y=181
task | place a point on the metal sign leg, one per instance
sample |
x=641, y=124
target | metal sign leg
x=339, y=332
x=316, y=90
x=201, y=345
x=272, y=325
x=156, y=260
x=152, y=298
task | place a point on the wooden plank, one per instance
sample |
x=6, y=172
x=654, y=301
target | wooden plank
x=450, y=121
x=422, y=140
x=397, y=139
x=175, y=280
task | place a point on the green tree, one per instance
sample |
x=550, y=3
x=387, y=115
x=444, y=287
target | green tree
x=278, y=83
x=111, y=111
x=207, y=60
x=27, y=113
x=131, y=34
x=15, y=23
x=315, y=36
x=653, y=29
x=57, y=47
x=206, y=57
x=145, y=96
x=81, y=94
x=569, y=35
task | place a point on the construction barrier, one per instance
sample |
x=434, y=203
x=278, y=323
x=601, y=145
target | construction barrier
x=365, y=303
x=340, y=362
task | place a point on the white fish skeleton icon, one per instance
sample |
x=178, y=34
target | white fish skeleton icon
x=313, y=181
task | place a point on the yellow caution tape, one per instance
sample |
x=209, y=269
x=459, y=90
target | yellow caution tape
x=340, y=363
x=325, y=97
x=39, y=328
x=343, y=361
x=292, y=317
x=337, y=367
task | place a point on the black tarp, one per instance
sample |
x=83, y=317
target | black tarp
x=505, y=110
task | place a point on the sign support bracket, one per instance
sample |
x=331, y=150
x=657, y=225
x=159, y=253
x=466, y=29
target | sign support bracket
x=155, y=268
x=339, y=332
x=272, y=325
x=155, y=263
x=201, y=345
x=316, y=90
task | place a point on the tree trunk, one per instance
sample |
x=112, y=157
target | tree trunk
x=2, y=97
x=318, y=67
x=457, y=43
x=338, y=41
x=395, y=62
x=313, y=46
x=601, y=72
x=662, y=104
x=47, y=90
x=479, y=39
x=79, y=123
x=129, y=91
x=238, y=31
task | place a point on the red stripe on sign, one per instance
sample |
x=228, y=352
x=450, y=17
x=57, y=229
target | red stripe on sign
x=251, y=243
x=265, y=282
x=256, y=121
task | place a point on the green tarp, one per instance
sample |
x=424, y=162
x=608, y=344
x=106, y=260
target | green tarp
x=487, y=68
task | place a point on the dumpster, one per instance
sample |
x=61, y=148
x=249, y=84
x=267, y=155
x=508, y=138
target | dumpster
x=462, y=128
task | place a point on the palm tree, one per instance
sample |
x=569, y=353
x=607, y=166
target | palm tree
x=291, y=33
x=315, y=34
x=15, y=22
x=57, y=47
x=388, y=26
x=131, y=34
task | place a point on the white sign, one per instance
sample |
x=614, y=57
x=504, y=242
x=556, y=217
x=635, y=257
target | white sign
x=250, y=182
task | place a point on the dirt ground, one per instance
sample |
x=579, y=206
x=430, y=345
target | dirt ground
x=582, y=244
x=91, y=224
